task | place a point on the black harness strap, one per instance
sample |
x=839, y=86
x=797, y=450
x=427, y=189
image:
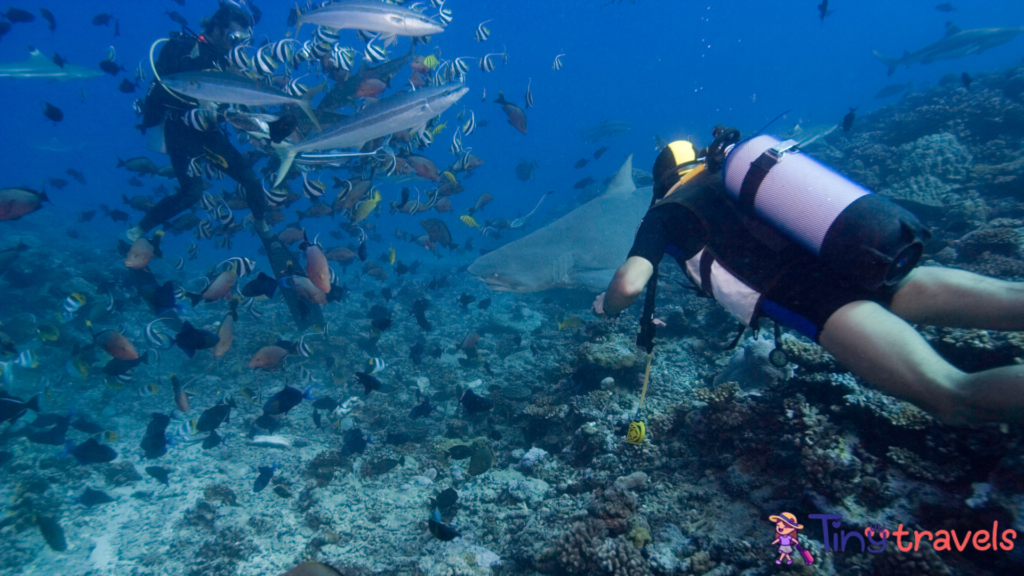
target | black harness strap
x=752, y=181
x=706, y=260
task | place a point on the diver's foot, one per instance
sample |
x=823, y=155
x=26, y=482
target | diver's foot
x=134, y=234
x=262, y=229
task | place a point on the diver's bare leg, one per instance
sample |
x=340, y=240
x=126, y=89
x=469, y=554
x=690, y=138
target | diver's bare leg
x=891, y=355
x=950, y=297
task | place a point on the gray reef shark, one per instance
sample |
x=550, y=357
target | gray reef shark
x=956, y=43
x=582, y=248
x=39, y=66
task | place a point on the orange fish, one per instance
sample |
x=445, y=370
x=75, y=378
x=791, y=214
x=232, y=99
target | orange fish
x=220, y=288
x=143, y=250
x=317, y=268
x=268, y=358
x=306, y=289
x=226, y=333
x=115, y=344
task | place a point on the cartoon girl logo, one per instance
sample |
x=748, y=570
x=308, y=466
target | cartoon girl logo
x=787, y=534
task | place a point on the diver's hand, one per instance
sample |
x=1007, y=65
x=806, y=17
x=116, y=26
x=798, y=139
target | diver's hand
x=598, y=306
x=658, y=322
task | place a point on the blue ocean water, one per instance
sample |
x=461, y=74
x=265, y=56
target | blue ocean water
x=674, y=69
x=671, y=69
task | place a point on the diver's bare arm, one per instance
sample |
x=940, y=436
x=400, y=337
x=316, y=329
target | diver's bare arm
x=626, y=286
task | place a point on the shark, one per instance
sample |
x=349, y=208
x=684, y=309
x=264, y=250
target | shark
x=955, y=44
x=39, y=66
x=579, y=250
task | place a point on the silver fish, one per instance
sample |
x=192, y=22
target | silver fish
x=387, y=116
x=229, y=88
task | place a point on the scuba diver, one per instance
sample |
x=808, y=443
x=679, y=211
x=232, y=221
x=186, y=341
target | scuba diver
x=186, y=136
x=770, y=232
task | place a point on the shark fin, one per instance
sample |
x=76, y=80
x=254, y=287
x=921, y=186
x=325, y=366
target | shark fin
x=36, y=58
x=952, y=29
x=623, y=181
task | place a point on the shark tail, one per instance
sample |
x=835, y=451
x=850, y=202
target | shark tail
x=286, y=155
x=890, y=62
x=306, y=104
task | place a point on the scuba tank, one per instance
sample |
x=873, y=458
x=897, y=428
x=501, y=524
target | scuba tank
x=863, y=235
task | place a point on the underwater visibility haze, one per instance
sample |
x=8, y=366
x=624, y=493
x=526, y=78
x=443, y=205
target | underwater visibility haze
x=334, y=287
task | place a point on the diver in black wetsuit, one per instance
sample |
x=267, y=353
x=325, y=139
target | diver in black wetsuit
x=861, y=310
x=229, y=26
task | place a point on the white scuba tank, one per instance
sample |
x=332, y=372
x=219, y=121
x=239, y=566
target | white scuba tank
x=866, y=236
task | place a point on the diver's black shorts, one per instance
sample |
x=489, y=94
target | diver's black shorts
x=804, y=297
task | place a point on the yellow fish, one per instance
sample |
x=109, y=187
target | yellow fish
x=449, y=176
x=366, y=206
x=110, y=436
x=249, y=394
x=430, y=61
x=216, y=158
x=469, y=221
x=437, y=129
x=391, y=255
x=571, y=323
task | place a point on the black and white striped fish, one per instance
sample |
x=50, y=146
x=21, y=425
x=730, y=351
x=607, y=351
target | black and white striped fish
x=212, y=172
x=302, y=54
x=204, y=231
x=343, y=57
x=193, y=251
x=238, y=58
x=275, y=196
x=374, y=54
x=313, y=189
x=198, y=119
x=304, y=349
x=180, y=264
x=339, y=183
x=319, y=49
x=224, y=216
x=195, y=168
x=296, y=89
x=157, y=337
x=486, y=64
x=482, y=33
x=470, y=124
x=444, y=14
x=249, y=305
x=264, y=62
x=529, y=95
x=209, y=202
x=424, y=137
x=461, y=67
x=241, y=265
x=558, y=62
x=140, y=73
x=283, y=51
x=326, y=35
x=457, y=148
